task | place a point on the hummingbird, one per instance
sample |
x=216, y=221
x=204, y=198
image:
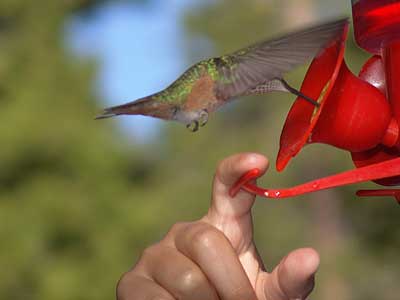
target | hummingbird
x=214, y=82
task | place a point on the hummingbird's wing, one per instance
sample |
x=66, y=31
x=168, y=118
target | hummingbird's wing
x=247, y=68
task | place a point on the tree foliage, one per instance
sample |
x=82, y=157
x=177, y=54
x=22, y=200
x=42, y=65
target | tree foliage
x=69, y=186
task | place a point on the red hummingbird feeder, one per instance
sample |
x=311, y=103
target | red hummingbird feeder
x=360, y=114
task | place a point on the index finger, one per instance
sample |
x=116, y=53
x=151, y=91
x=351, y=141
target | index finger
x=230, y=215
x=228, y=172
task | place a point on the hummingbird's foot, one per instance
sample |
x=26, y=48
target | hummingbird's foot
x=203, y=117
x=193, y=126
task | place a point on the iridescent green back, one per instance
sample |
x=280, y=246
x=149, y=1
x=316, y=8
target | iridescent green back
x=180, y=89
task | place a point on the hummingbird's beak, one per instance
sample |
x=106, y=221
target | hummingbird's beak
x=106, y=114
x=146, y=106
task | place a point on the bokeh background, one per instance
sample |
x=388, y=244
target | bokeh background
x=80, y=199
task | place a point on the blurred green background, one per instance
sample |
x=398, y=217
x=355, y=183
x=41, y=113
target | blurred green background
x=80, y=199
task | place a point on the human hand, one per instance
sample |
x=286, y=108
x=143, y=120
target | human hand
x=215, y=257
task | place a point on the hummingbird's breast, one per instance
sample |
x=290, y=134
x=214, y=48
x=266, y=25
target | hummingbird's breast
x=202, y=95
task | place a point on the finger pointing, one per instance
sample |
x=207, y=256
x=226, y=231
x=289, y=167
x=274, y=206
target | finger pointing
x=228, y=172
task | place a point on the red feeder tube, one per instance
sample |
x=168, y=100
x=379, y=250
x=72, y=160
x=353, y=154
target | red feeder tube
x=380, y=193
x=380, y=170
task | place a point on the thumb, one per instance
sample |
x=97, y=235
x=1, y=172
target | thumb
x=293, y=278
x=233, y=215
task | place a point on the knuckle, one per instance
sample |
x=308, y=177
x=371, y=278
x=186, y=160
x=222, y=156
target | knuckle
x=122, y=280
x=149, y=254
x=150, y=251
x=176, y=227
x=190, y=280
x=122, y=285
x=207, y=236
